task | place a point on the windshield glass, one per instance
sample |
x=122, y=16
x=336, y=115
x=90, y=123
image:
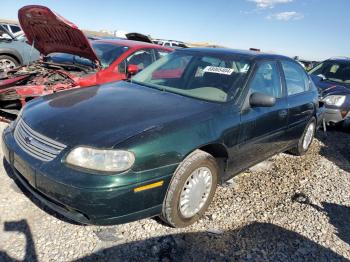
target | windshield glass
x=212, y=78
x=106, y=53
x=336, y=71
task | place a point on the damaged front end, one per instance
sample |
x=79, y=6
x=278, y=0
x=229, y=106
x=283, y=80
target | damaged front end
x=21, y=85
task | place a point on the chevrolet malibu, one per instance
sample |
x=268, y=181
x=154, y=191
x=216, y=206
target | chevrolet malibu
x=160, y=143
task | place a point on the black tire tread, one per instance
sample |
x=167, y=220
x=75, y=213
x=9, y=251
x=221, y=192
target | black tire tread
x=298, y=150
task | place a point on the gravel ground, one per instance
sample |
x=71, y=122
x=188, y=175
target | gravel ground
x=287, y=208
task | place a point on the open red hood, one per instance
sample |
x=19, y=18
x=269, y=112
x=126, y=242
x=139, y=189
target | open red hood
x=52, y=33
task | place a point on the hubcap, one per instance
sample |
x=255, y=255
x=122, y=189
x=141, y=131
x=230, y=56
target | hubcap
x=7, y=64
x=308, y=136
x=195, y=192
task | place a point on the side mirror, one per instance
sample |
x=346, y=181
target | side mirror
x=261, y=100
x=322, y=77
x=132, y=70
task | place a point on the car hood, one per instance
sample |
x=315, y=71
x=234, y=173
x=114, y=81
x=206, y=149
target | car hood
x=104, y=116
x=51, y=33
x=330, y=88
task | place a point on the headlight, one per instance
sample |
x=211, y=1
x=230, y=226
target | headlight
x=334, y=100
x=101, y=160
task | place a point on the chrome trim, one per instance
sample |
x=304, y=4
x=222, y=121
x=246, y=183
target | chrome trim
x=36, y=144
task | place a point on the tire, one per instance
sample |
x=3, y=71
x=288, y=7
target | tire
x=302, y=147
x=8, y=63
x=198, y=166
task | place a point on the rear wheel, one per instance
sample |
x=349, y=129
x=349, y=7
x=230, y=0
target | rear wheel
x=191, y=190
x=7, y=63
x=306, y=139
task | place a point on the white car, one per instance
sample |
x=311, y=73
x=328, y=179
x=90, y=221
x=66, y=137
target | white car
x=14, y=29
x=170, y=43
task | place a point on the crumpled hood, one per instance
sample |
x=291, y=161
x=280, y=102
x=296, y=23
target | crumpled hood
x=50, y=33
x=104, y=116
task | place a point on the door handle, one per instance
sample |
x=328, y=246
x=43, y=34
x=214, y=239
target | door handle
x=283, y=113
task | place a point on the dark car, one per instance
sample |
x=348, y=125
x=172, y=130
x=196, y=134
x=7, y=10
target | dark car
x=332, y=77
x=160, y=143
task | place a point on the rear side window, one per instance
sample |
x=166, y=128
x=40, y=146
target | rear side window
x=267, y=80
x=296, y=78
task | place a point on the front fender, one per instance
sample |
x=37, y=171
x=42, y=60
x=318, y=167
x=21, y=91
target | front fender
x=170, y=144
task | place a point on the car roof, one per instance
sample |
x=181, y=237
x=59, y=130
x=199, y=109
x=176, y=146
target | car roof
x=339, y=59
x=130, y=43
x=229, y=51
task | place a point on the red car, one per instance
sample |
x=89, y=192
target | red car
x=69, y=60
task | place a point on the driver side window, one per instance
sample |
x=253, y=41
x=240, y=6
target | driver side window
x=267, y=80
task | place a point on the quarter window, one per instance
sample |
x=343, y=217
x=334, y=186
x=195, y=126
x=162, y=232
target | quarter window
x=296, y=78
x=267, y=80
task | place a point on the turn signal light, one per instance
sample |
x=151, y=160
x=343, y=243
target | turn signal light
x=149, y=186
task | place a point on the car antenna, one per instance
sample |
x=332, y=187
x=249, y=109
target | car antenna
x=30, y=53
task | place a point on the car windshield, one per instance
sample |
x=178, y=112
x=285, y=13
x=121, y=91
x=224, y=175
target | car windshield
x=201, y=76
x=336, y=71
x=106, y=53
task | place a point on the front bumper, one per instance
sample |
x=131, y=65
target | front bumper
x=86, y=198
x=336, y=115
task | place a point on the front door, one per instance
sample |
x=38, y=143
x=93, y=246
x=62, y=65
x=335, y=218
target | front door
x=263, y=129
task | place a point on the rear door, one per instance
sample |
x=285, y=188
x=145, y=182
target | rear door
x=300, y=98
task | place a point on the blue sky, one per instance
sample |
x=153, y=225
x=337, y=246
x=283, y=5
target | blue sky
x=312, y=29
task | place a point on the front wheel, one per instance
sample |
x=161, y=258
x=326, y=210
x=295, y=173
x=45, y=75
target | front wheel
x=191, y=190
x=7, y=63
x=306, y=139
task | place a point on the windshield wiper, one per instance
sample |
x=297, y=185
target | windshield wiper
x=148, y=85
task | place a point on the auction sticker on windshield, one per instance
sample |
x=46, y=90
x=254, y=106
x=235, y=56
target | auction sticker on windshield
x=219, y=70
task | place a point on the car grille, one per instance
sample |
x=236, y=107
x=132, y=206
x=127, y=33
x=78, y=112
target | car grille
x=35, y=144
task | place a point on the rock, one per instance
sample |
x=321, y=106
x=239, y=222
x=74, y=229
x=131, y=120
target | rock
x=215, y=231
x=108, y=234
